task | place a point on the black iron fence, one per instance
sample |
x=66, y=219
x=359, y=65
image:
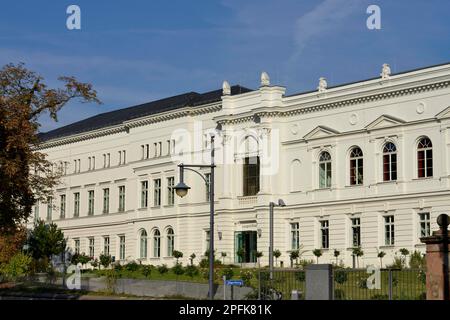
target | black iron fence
x=380, y=284
x=281, y=284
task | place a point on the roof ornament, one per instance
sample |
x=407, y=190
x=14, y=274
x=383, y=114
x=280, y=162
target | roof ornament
x=386, y=71
x=322, y=84
x=265, y=80
x=226, y=89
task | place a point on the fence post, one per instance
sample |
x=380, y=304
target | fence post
x=390, y=284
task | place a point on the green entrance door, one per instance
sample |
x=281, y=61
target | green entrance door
x=245, y=240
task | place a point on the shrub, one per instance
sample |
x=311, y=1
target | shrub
x=417, y=260
x=17, y=267
x=178, y=269
x=191, y=271
x=340, y=277
x=118, y=267
x=339, y=294
x=111, y=280
x=177, y=254
x=204, y=263
x=131, y=266
x=146, y=271
x=304, y=262
x=300, y=276
x=227, y=272
x=95, y=263
x=246, y=276
x=399, y=263
x=317, y=253
x=192, y=257
x=105, y=260
x=162, y=269
x=379, y=296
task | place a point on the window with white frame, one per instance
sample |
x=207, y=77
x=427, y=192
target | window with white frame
x=356, y=232
x=295, y=236
x=143, y=245
x=170, y=191
x=106, y=244
x=155, y=149
x=424, y=224
x=144, y=194
x=76, y=204
x=121, y=198
x=122, y=247
x=156, y=243
x=91, y=247
x=170, y=242
x=120, y=158
x=356, y=166
x=324, y=170
x=157, y=192
x=49, y=208
x=324, y=234
x=389, y=162
x=389, y=231
x=62, y=208
x=425, y=158
x=147, y=151
x=106, y=200
x=36, y=211
x=207, y=240
x=91, y=202
x=76, y=245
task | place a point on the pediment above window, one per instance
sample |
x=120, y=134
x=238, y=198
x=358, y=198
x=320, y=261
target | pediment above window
x=444, y=113
x=320, y=132
x=384, y=121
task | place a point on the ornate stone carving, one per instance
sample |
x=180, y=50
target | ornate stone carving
x=322, y=84
x=226, y=89
x=265, y=79
x=386, y=71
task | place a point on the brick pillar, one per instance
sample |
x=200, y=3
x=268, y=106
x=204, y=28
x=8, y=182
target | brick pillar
x=438, y=261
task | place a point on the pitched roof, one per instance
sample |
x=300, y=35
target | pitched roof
x=116, y=117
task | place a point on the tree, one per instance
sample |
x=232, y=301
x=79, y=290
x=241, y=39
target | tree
x=381, y=255
x=276, y=254
x=404, y=252
x=177, y=254
x=11, y=243
x=223, y=254
x=317, y=253
x=336, y=255
x=46, y=240
x=192, y=257
x=358, y=253
x=105, y=260
x=294, y=256
x=25, y=175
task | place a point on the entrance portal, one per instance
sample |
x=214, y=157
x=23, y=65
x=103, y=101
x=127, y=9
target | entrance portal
x=245, y=240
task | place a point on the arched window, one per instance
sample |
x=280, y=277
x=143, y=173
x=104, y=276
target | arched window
x=143, y=244
x=356, y=166
x=425, y=158
x=170, y=242
x=389, y=162
x=324, y=170
x=156, y=244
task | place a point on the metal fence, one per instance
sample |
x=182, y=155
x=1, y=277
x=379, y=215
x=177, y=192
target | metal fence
x=281, y=283
x=389, y=284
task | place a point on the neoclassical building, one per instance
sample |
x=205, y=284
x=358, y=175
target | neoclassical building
x=360, y=164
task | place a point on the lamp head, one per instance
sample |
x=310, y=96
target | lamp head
x=181, y=189
x=281, y=203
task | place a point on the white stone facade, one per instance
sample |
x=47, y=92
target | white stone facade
x=401, y=108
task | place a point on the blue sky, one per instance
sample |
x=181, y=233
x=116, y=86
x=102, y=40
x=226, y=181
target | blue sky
x=138, y=51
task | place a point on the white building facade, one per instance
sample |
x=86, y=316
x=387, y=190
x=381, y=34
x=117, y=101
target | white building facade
x=365, y=164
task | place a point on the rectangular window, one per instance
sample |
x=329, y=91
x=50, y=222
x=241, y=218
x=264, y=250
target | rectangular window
x=170, y=191
x=207, y=239
x=106, y=245
x=62, y=211
x=169, y=151
x=108, y=156
x=121, y=198
x=49, y=208
x=356, y=232
x=77, y=245
x=160, y=149
x=389, y=234
x=325, y=175
x=122, y=248
x=89, y=163
x=207, y=186
x=120, y=158
x=124, y=153
x=157, y=200
x=76, y=204
x=91, y=247
x=142, y=151
x=104, y=160
x=295, y=236
x=425, y=163
x=324, y=231
x=144, y=194
x=90, y=202
x=93, y=163
x=155, y=148
x=147, y=151
x=251, y=176
x=424, y=221
x=36, y=211
x=106, y=200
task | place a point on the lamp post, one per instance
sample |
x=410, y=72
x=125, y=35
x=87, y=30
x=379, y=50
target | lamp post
x=182, y=189
x=271, y=206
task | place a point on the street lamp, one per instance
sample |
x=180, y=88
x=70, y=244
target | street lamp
x=271, y=206
x=182, y=189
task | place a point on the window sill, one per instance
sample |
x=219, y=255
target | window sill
x=391, y=246
x=424, y=178
x=169, y=206
x=155, y=207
